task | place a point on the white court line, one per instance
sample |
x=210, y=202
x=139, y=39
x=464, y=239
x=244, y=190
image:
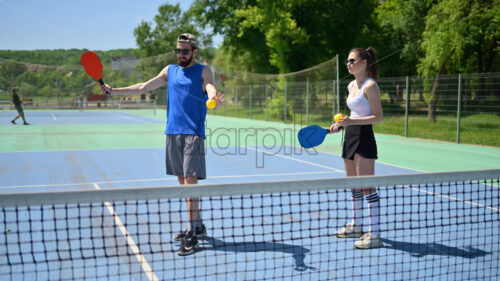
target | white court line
x=159, y=179
x=133, y=246
x=133, y=118
x=301, y=161
x=453, y=198
x=53, y=116
x=382, y=162
x=417, y=189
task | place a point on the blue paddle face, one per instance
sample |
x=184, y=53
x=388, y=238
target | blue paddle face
x=312, y=136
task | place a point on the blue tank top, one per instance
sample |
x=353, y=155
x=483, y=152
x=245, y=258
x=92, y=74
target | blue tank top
x=186, y=109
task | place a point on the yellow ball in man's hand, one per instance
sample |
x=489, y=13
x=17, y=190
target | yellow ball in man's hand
x=211, y=104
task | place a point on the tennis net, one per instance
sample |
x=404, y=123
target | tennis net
x=438, y=226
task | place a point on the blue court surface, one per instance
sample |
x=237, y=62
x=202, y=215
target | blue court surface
x=426, y=235
x=76, y=117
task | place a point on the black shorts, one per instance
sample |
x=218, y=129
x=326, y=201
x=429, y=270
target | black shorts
x=361, y=140
x=19, y=108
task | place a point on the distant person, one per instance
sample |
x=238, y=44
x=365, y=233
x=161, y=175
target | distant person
x=360, y=149
x=19, y=107
x=189, y=85
x=79, y=102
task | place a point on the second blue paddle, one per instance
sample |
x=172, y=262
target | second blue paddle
x=312, y=136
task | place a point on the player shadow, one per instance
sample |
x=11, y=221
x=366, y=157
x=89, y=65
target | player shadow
x=425, y=249
x=298, y=252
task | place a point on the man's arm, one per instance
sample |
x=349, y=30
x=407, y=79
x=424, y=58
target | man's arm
x=139, y=88
x=208, y=82
x=209, y=86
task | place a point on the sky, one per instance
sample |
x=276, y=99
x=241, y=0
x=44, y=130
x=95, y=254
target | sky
x=79, y=24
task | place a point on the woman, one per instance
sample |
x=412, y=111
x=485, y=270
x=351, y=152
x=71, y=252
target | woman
x=360, y=149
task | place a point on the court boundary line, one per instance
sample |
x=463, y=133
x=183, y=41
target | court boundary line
x=130, y=241
x=382, y=162
x=295, y=159
x=416, y=189
x=160, y=179
x=452, y=198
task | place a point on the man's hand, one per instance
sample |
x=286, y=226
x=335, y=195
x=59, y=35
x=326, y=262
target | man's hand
x=106, y=89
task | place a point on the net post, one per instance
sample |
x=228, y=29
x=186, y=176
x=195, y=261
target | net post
x=338, y=81
x=284, y=104
x=333, y=99
x=236, y=99
x=407, y=106
x=307, y=102
x=250, y=102
x=459, y=105
x=267, y=103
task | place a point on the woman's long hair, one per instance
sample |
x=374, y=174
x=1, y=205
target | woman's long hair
x=368, y=54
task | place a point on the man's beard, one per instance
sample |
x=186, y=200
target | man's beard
x=186, y=62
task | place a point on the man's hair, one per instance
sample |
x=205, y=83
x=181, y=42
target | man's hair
x=188, y=38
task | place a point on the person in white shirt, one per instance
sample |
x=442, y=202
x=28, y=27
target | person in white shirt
x=359, y=148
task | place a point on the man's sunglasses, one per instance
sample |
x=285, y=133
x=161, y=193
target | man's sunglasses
x=350, y=61
x=183, y=51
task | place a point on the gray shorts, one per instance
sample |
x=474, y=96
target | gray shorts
x=185, y=156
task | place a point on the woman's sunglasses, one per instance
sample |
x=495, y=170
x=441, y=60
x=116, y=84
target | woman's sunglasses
x=350, y=61
x=183, y=51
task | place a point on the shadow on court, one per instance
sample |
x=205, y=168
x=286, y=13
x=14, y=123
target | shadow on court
x=425, y=249
x=298, y=252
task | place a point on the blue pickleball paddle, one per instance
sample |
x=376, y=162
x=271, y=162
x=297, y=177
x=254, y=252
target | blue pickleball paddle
x=312, y=136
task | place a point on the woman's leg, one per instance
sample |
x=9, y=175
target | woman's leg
x=356, y=194
x=366, y=167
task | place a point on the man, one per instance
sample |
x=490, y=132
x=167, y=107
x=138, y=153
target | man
x=188, y=84
x=18, y=104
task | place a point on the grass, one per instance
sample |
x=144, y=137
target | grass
x=479, y=129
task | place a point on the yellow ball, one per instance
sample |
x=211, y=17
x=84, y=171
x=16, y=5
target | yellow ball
x=211, y=104
x=338, y=116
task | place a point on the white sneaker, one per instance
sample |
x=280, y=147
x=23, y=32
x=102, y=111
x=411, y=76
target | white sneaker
x=369, y=241
x=349, y=231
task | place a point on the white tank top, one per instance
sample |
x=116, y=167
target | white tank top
x=358, y=104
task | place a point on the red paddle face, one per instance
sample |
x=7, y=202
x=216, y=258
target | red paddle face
x=92, y=65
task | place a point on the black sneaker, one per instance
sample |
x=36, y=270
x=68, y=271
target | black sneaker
x=189, y=245
x=13, y=122
x=26, y=123
x=201, y=232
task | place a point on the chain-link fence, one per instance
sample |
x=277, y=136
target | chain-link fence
x=458, y=108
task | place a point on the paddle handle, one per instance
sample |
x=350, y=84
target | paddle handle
x=102, y=84
x=340, y=129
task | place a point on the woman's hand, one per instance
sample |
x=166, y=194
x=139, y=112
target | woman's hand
x=335, y=128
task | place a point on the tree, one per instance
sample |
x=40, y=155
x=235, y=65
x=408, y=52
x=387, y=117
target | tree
x=11, y=70
x=282, y=36
x=275, y=20
x=245, y=53
x=161, y=37
x=398, y=35
x=460, y=36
